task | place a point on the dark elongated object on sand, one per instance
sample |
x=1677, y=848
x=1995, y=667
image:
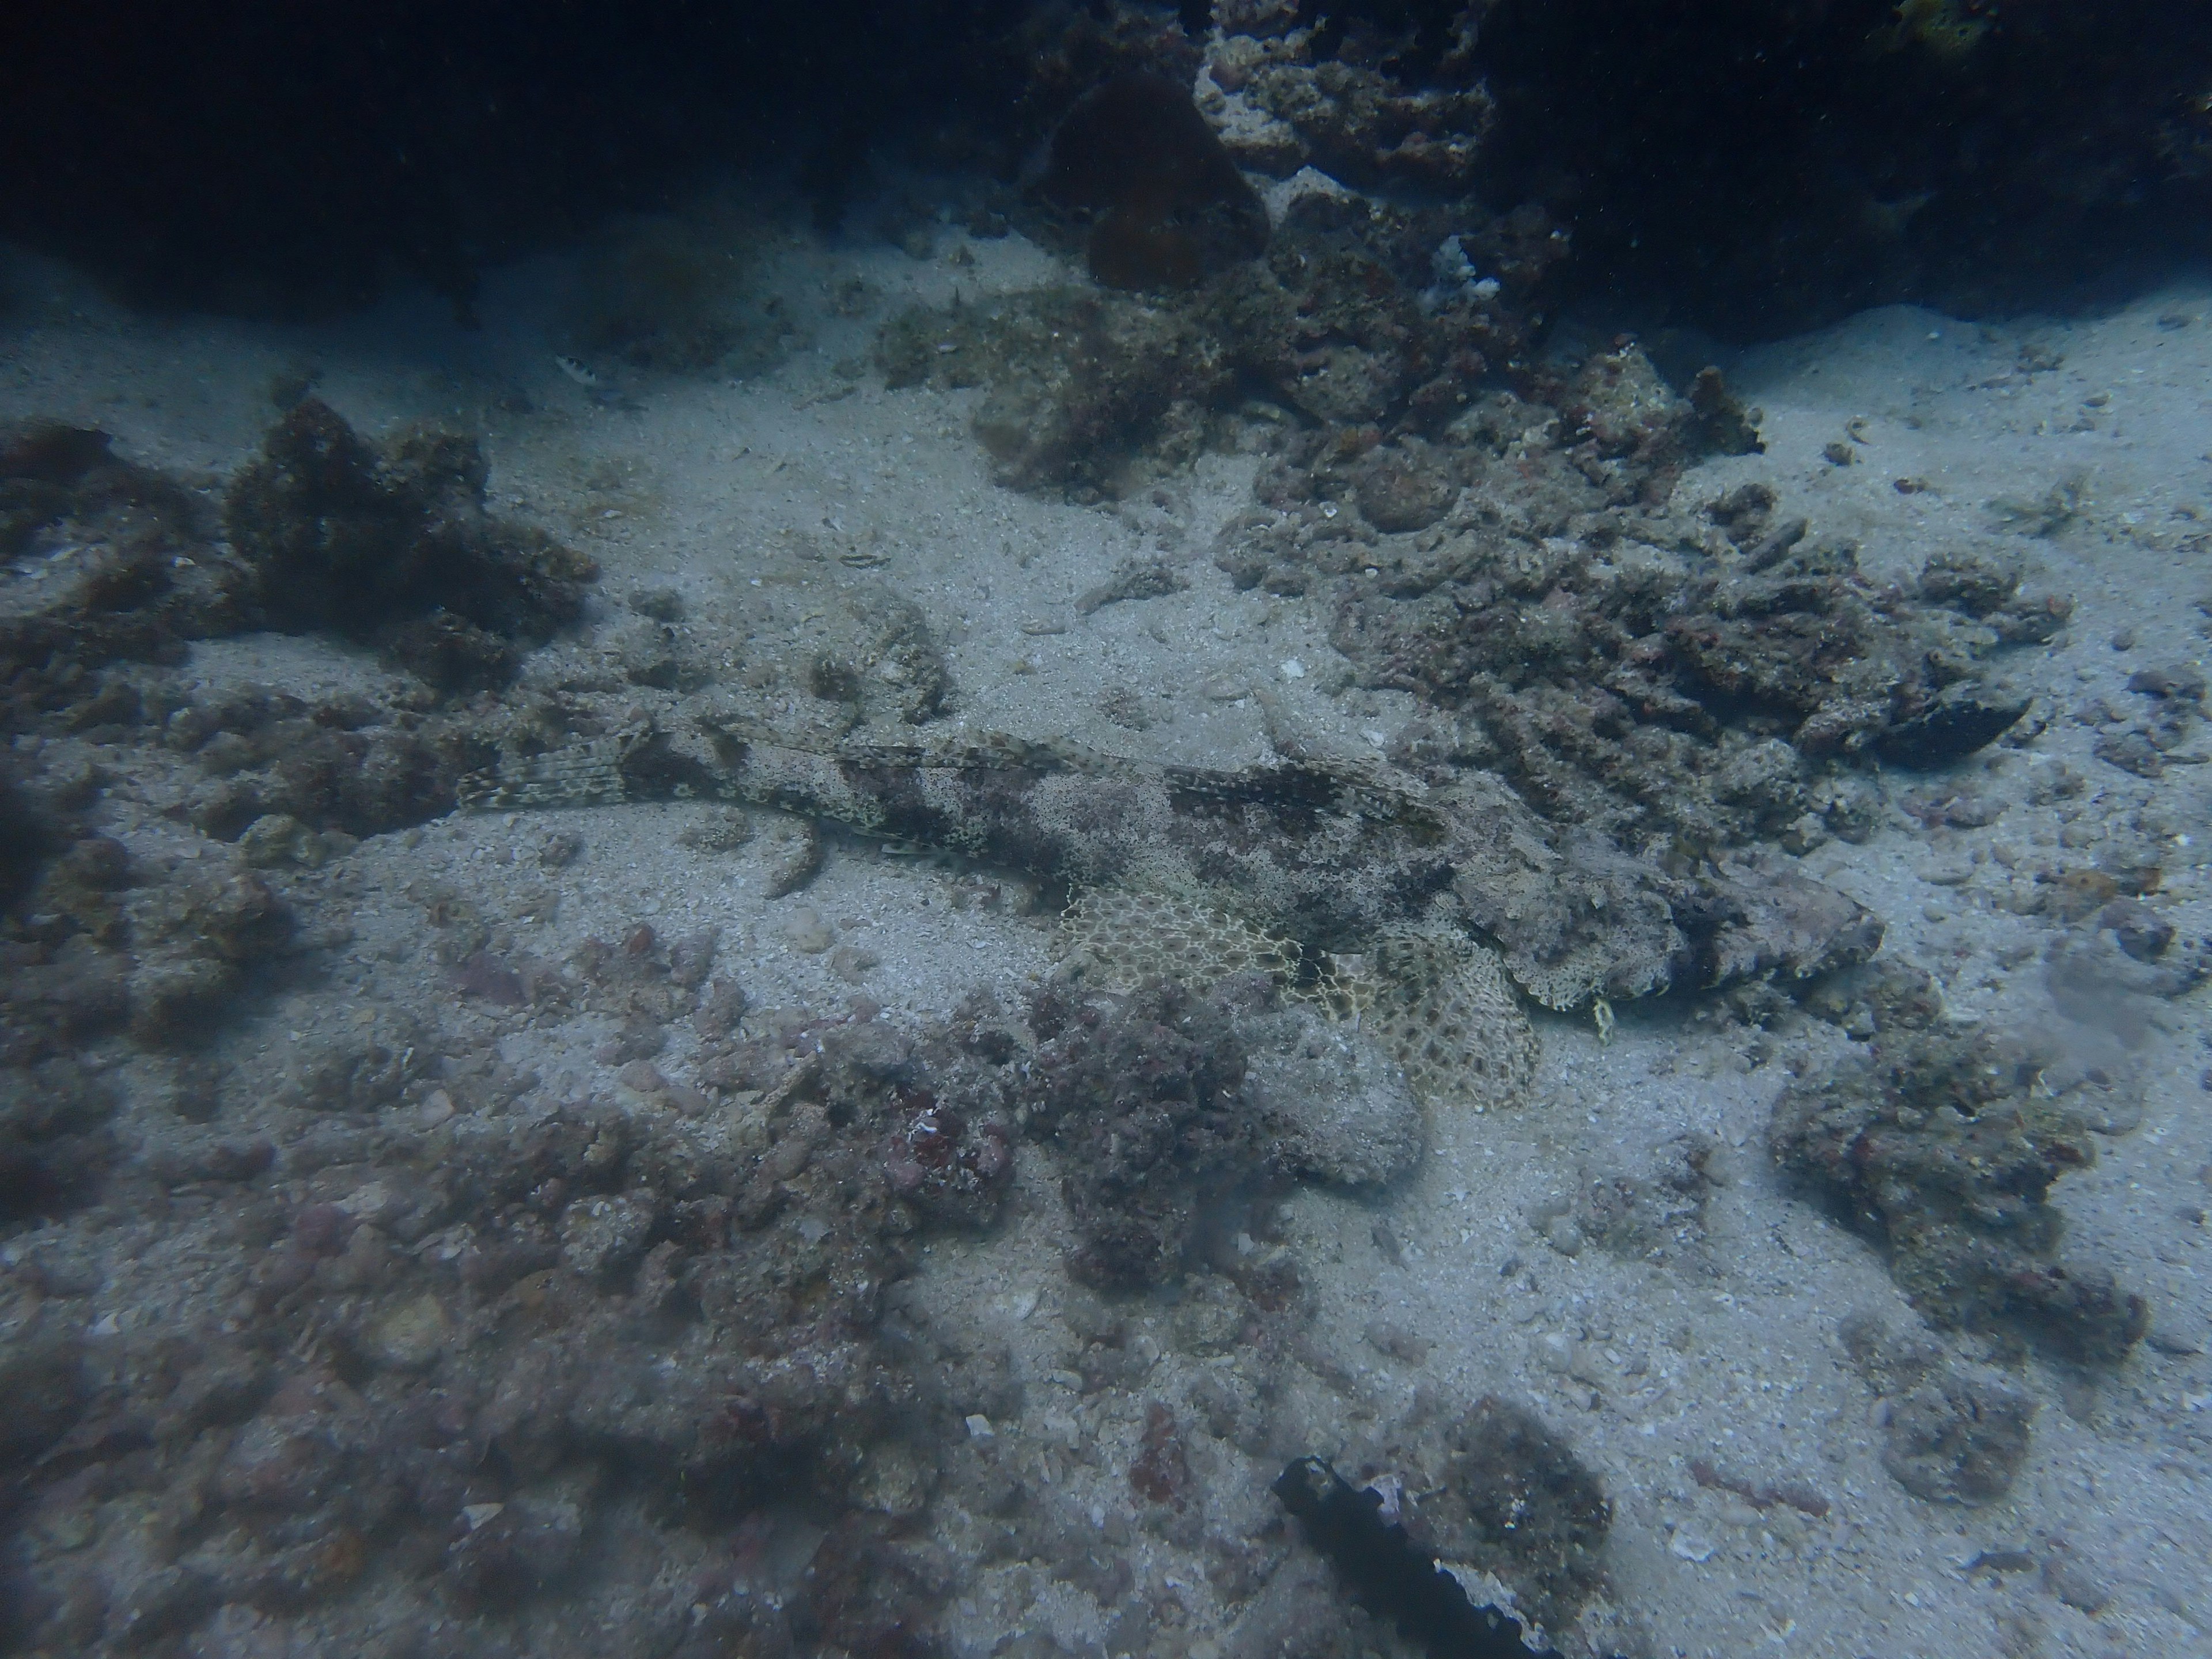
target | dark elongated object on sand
x=1390, y=1575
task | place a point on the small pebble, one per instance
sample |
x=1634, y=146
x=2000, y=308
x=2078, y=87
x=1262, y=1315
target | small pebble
x=807, y=932
x=851, y=961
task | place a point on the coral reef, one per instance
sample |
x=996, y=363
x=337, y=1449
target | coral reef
x=1088, y=392
x=1616, y=678
x=1085, y=390
x=1346, y=114
x=127, y=573
x=560, y=1326
x=605, y=1285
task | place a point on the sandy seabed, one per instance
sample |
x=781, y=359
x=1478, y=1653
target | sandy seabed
x=1697, y=1388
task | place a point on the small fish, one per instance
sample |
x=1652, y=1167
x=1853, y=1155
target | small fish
x=575, y=371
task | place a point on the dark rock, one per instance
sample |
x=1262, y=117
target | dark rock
x=26, y=841
x=1613, y=681
x=2184, y=684
x=50, y=453
x=1943, y=1146
x=1167, y=205
x=373, y=545
x=165, y=1600
x=451, y=653
x=1957, y=1441
x=2143, y=932
x=1363, y=125
x=1775, y=920
x=55, y=1145
x=1975, y=583
x=42, y=1379
x=1720, y=424
x=1963, y=717
x=1650, y=1216
x=1142, y=1100
x=1134, y=579
x=2132, y=751
x=144, y=579
x=1385, y=1569
x=1335, y=1117
x=1397, y=493
x=1519, y=1503
x=364, y=1067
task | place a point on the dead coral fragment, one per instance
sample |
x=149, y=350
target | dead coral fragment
x=1082, y=386
x=372, y=546
x=1944, y=1147
x=1389, y=1572
x=1615, y=681
x=130, y=574
x=1520, y=1503
x=1957, y=1440
x=1366, y=128
x=1170, y=207
x=1142, y=1098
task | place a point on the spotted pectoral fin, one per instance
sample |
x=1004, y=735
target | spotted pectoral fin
x=1445, y=1011
x=589, y=773
x=1129, y=937
x=1439, y=1005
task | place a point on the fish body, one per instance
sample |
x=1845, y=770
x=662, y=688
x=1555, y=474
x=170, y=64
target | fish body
x=1331, y=855
x=1416, y=913
x=1326, y=880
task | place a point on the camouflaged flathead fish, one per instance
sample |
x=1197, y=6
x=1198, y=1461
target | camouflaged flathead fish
x=1404, y=907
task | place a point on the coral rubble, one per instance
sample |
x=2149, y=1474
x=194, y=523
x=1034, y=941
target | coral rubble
x=397, y=548
x=1943, y=1146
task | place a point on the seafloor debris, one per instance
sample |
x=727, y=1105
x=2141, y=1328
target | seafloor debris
x=1166, y=203
x=1942, y=1145
x=397, y=548
x=1759, y=1494
x=127, y=573
x=1086, y=391
x=1518, y=1503
x=1091, y=392
x=1950, y=1435
x=1389, y=1574
x=1144, y=1104
x=1622, y=679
